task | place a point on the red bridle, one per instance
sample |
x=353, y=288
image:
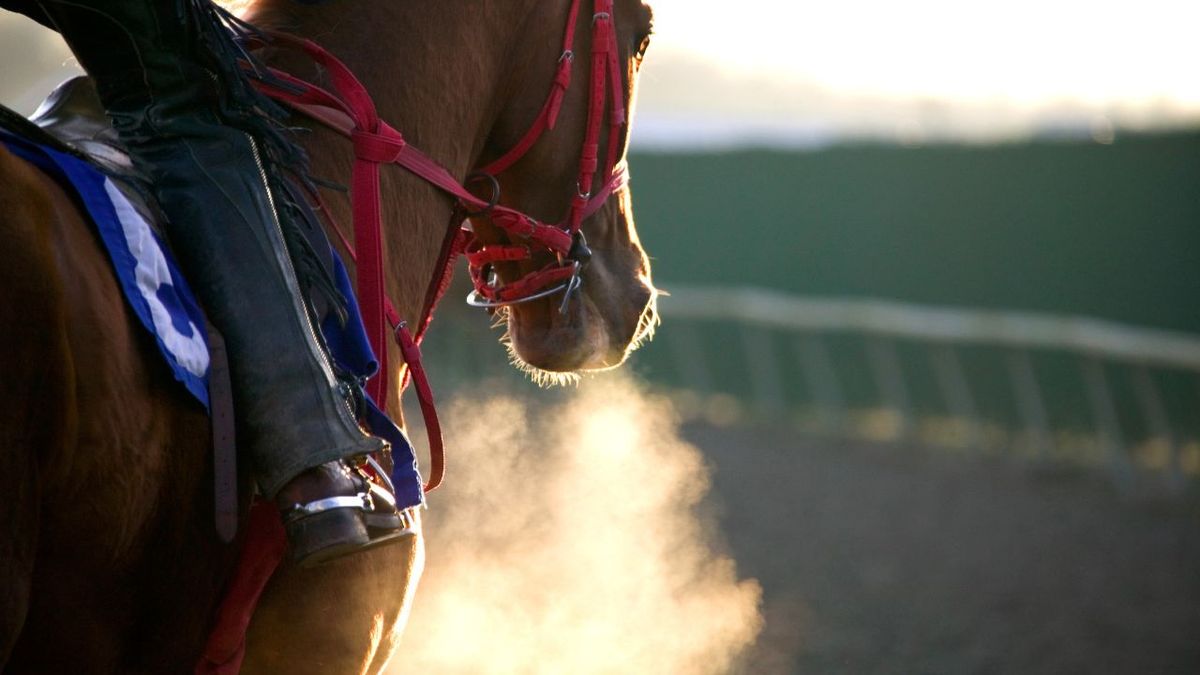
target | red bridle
x=562, y=275
x=352, y=112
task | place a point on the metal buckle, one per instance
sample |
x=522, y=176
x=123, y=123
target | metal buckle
x=377, y=492
x=567, y=55
x=383, y=476
x=580, y=252
x=396, y=336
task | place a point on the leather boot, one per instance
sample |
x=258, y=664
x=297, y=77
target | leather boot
x=195, y=127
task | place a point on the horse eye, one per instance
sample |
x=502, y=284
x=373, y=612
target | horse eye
x=642, y=47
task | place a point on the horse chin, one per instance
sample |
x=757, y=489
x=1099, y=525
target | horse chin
x=554, y=347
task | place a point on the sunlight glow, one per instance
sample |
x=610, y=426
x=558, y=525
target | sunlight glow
x=803, y=74
x=1021, y=51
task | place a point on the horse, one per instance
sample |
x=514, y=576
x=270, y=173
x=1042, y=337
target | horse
x=110, y=562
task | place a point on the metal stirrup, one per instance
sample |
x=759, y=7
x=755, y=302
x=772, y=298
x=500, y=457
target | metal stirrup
x=328, y=504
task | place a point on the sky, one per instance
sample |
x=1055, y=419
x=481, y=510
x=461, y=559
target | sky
x=921, y=68
x=1024, y=50
x=805, y=73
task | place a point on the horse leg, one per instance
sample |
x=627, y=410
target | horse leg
x=355, y=610
x=35, y=379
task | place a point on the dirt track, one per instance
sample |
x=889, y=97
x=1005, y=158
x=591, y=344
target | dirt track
x=886, y=560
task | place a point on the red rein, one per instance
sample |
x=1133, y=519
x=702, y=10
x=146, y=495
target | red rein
x=352, y=112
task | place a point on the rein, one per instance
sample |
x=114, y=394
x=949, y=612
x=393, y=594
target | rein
x=351, y=112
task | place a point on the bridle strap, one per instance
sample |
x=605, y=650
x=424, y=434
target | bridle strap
x=454, y=243
x=603, y=65
x=409, y=346
x=549, y=113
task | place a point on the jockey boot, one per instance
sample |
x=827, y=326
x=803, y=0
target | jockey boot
x=167, y=75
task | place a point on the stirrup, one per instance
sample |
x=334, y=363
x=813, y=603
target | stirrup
x=327, y=529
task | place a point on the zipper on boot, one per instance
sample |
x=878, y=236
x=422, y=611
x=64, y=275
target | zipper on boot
x=297, y=301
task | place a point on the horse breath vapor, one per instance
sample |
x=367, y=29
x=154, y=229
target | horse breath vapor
x=568, y=541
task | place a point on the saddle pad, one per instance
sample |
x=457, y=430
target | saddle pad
x=147, y=273
x=157, y=293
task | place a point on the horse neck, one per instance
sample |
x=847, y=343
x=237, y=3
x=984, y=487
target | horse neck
x=437, y=71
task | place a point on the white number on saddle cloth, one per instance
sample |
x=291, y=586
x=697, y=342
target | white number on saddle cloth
x=153, y=273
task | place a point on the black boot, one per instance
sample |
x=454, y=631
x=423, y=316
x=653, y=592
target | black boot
x=165, y=73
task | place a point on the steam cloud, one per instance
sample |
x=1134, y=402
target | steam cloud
x=567, y=540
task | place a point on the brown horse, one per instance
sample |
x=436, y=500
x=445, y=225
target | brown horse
x=110, y=562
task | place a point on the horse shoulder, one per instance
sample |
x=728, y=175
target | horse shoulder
x=36, y=373
x=36, y=369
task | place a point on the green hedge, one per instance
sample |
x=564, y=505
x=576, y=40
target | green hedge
x=1105, y=230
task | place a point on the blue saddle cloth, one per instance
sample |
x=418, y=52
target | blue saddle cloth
x=159, y=296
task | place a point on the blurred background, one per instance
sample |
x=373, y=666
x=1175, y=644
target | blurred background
x=930, y=362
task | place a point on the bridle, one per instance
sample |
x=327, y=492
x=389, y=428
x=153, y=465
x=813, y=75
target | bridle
x=563, y=274
x=350, y=111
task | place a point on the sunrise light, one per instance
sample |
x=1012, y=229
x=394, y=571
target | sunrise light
x=1022, y=50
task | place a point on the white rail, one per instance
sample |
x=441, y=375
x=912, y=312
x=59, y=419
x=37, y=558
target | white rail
x=759, y=312
x=1095, y=337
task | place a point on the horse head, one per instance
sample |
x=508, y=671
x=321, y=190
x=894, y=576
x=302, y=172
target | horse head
x=561, y=158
